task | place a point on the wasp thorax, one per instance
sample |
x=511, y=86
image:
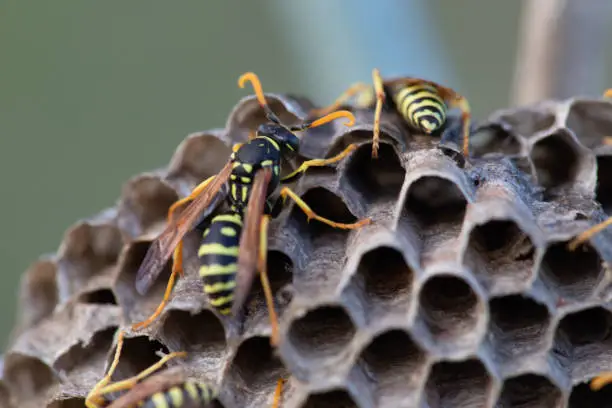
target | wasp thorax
x=286, y=139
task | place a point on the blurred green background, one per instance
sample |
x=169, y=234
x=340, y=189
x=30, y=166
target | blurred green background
x=92, y=93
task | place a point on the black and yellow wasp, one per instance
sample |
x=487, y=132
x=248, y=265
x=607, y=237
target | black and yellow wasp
x=234, y=246
x=423, y=104
x=152, y=389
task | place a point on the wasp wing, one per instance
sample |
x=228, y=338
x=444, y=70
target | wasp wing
x=154, y=384
x=250, y=239
x=162, y=248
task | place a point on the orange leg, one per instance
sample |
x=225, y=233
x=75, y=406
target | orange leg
x=466, y=117
x=278, y=393
x=380, y=100
x=263, y=275
x=353, y=90
x=601, y=381
x=580, y=239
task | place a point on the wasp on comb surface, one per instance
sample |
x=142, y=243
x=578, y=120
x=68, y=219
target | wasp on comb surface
x=422, y=104
x=149, y=390
x=234, y=246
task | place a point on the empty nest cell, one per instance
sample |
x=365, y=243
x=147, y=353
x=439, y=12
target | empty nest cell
x=518, y=327
x=450, y=310
x=201, y=332
x=394, y=364
x=435, y=202
x=322, y=332
x=583, y=397
x=604, y=182
x=255, y=367
x=573, y=275
x=144, y=203
x=508, y=253
x=38, y=293
x=383, y=282
x=528, y=121
x=330, y=399
x=68, y=403
x=582, y=343
x=557, y=160
x=493, y=138
x=27, y=376
x=138, y=354
x=104, y=296
x=376, y=178
x=199, y=157
x=529, y=390
x=95, y=350
x=459, y=384
x=591, y=121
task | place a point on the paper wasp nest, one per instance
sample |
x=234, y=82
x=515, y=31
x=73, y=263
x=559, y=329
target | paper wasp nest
x=462, y=293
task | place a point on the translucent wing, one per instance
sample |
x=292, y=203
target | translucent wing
x=249, y=240
x=148, y=387
x=162, y=248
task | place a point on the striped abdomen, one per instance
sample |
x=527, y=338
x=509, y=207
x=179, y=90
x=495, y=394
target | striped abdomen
x=218, y=256
x=189, y=394
x=421, y=106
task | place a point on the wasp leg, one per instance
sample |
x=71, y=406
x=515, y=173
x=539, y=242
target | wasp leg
x=132, y=381
x=580, y=239
x=286, y=192
x=263, y=275
x=239, y=145
x=319, y=162
x=277, y=393
x=95, y=393
x=341, y=100
x=380, y=100
x=466, y=118
x=601, y=381
x=166, y=298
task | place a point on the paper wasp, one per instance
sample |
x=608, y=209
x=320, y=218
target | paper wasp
x=422, y=104
x=234, y=246
x=148, y=389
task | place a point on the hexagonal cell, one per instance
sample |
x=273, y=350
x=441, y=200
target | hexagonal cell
x=557, y=160
x=199, y=156
x=68, y=403
x=604, y=182
x=138, y=354
x=394, y=364
x=103, y=296
x=26, y=375
x=529, y=121
x=144, y=204
x=518, y=327
x=79, y=353
x=38, y=294
x=583, y=397
x=134, y=305
x=202, y=332
x=529, y=390
x=376, y=179
x=436, y=203
x=450, y=310
x=280, y=276
x=582, y=342
x=322, y=332
x=247, y=114
x=86, y=251
x=459, y=384
x=493, y=138
x=326, y=204
x=330, y=399
x=574, y=275
x=590, y=121
x=255, y=369
x=382, y=282
x=506, y=251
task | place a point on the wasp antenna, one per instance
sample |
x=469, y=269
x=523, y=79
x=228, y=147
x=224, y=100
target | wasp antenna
x=254, y=80
x=328, y=118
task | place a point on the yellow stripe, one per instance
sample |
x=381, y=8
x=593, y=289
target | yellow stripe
x=222, y=300
x=236, y=164
x=176, y=396
x=424, y=112
x=206, y=391
x=225, y=310
x=214, y=270
x=245, y=179
x=276, y=170
x=159, y=400
x=228, y=231
x=235, y=218
x=233, y=176
x=266, y=163
x=220, y=286
x=245, y=191
x=407, y=96
x=234, y=192
x=417, y=106
x=191, y=389
x=217, y=249
x=271, y=141
x=247, y=167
